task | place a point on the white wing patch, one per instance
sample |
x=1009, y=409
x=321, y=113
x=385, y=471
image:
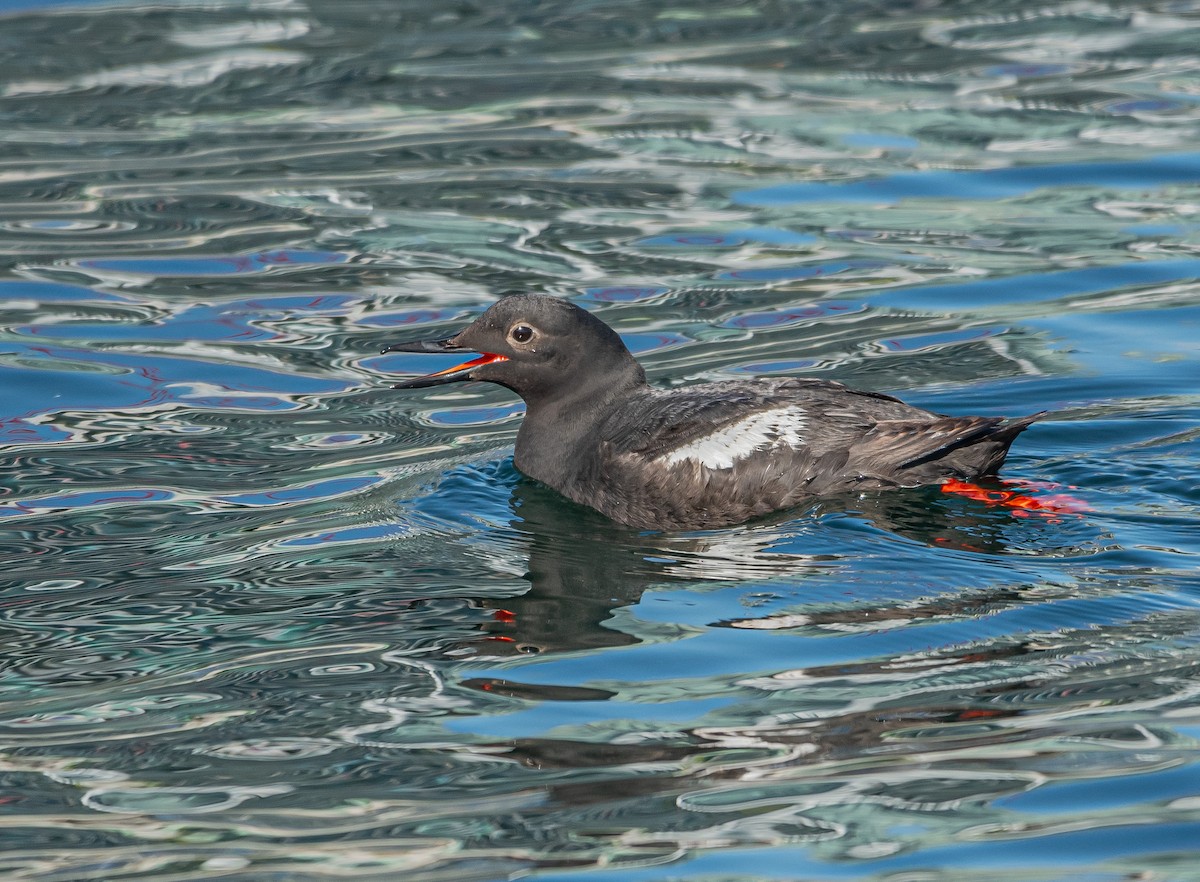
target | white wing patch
x=759, y=431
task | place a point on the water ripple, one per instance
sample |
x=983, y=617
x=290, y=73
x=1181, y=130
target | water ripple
x=266, y=617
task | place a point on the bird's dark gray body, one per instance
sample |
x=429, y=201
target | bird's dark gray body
x=703, y=456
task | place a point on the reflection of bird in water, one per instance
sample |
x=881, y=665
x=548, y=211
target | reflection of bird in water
x=582, y=567
x=704, y=456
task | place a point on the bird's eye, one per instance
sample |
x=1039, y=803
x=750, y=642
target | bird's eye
x=521, y=333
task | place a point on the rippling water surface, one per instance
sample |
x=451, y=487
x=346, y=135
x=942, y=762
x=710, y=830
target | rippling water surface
x=266, y=618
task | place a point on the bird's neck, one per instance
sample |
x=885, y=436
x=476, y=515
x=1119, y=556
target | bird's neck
x=559, y=438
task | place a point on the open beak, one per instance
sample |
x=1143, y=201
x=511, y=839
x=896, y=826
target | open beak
x=449, y=375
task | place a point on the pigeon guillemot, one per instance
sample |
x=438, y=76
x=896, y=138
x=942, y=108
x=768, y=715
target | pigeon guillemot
x=709, y=455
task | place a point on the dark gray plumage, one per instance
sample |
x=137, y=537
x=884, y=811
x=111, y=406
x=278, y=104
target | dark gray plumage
x=704, y=456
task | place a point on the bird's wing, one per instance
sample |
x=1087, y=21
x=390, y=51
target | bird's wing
x=716, y=424
x=669, y=421
x=905, y=443
x=908, y=444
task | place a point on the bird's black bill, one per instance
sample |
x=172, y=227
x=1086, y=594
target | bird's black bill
x=450, y=375
x=447, y=345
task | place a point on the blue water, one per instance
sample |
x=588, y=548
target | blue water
x=265, y=617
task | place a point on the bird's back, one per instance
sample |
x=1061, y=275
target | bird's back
x=723, y=453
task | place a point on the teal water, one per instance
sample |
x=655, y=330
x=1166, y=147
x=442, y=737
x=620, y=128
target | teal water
x=266, y=618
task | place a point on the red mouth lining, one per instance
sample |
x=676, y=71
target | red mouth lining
x=486, y=358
